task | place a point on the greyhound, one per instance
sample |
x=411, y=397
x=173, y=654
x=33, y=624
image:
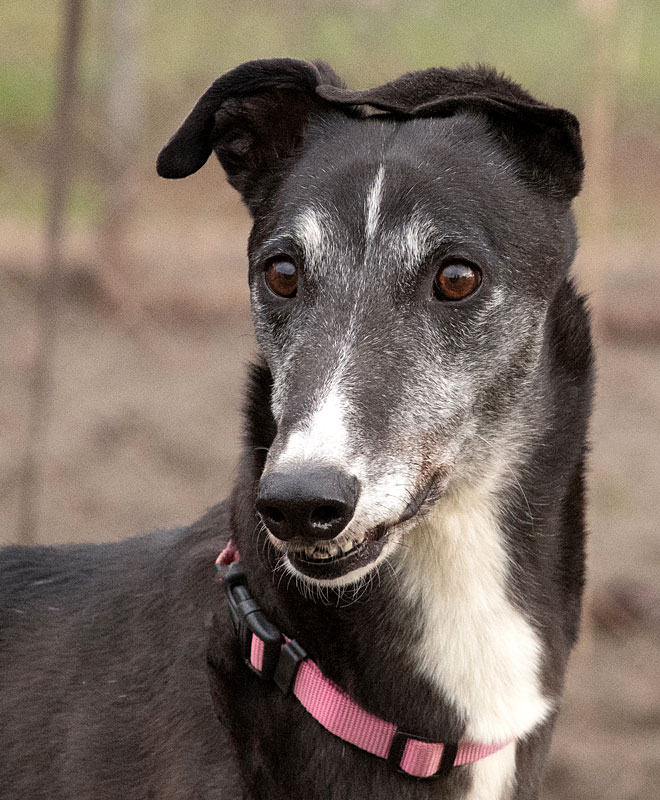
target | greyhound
x=403, y=551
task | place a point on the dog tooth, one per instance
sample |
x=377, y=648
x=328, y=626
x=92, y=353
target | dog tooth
x=347, y=546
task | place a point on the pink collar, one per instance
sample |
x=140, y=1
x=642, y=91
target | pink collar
x=273, y=656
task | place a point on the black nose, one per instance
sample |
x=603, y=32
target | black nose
x=307, y=503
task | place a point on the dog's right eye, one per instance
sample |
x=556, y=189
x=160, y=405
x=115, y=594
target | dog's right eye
x=282, y=277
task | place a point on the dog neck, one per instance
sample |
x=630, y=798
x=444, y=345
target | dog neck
x=476, y=646
x=435, y=646
x=441, y=644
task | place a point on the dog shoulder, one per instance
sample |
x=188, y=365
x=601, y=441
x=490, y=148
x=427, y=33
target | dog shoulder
x=94, y=639
x=78, y=578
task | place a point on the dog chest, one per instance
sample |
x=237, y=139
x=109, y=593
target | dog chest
x=476, y=646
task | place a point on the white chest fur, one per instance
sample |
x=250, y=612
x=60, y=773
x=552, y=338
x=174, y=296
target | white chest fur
x=477, y=647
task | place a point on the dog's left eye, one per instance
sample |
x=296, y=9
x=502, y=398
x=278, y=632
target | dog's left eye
x=456, y=281
x=282, y=277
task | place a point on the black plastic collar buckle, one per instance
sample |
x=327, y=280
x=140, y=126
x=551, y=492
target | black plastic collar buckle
x=248, y=618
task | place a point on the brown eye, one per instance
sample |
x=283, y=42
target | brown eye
x=282, y=277
x=456, y=281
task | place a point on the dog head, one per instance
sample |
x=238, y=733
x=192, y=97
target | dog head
x=408, y=242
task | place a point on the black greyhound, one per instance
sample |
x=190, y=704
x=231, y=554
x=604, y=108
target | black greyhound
x=410, y=499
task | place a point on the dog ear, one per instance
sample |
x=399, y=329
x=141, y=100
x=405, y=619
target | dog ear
x=254, y=117
x=545, y=140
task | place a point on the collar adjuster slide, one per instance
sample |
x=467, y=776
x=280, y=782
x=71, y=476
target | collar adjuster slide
x=291, y=657
x=449, y=753
x=397, y=752
x=248, y=619
x=397, y=747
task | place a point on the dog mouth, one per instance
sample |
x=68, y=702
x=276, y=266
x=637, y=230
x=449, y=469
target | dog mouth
x=329, y=560
x=339, y=557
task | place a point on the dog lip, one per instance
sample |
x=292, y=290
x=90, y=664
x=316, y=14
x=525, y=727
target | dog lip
x=411, y=510
x=415, y=505
x=361, y=555
x=377, y=533
x=301, y=555
x=366, y=551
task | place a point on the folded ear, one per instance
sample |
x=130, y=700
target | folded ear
x=254, y=118
x=544, y=140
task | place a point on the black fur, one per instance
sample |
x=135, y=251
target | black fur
x=254, y=118
x=107, y=651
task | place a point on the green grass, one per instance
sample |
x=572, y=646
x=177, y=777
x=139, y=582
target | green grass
x=547, y=45
x=28, y=200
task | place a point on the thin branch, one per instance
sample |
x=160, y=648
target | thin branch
x=60, y=165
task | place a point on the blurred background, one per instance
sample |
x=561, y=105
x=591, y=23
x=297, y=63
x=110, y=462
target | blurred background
x=124, y=321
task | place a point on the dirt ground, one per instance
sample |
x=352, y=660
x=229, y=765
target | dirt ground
x=144, y=432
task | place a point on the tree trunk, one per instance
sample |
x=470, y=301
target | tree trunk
x=123, y=106
x=599, y=140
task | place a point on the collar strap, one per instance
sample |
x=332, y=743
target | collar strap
x=274, y=657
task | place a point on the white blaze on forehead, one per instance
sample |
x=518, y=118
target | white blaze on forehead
x=323, y=436
x=310, y=231
x=418, y=236
x=413, y=240
x=313, y=230
x=372, y=204
x=410, y=241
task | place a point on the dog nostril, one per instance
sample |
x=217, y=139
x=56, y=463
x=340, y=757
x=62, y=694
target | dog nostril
x=273, y=514
x=324, y=515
